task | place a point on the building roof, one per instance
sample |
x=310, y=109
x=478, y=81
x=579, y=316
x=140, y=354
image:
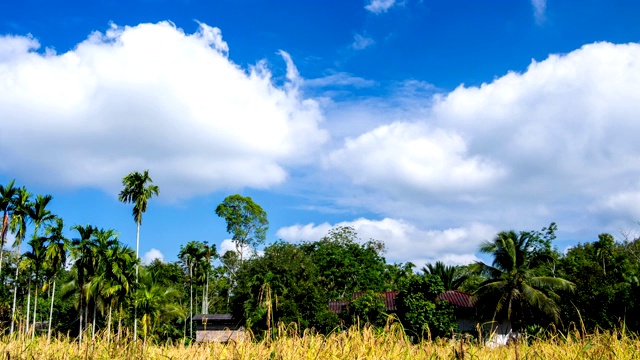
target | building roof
x=457, y=298
x=212, y=317
x=389, y=298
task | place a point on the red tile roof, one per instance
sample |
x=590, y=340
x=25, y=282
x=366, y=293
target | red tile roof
x=457, y=298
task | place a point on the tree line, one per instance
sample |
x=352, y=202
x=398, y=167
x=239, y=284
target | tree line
x=92, y=282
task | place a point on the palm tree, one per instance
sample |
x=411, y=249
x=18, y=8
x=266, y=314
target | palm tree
x=81, y=250
x=115, y=278
x=450, y=275
x=104, y=241
x=138, y=189
x=157, y=304
x=7, y=198
x=39, y=214
x=56, y=255
x=34, y=260
x=18, y=227
x=514, y=289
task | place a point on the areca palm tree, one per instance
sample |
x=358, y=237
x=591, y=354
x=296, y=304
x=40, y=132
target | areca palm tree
x=104, y=241
x=18, y=227
x=56, y=255
x=157, y=304
x=138, y=189
x=450, y=275
x=40, y=215
x=7, y=198
x=514, y=288
x=81, y=251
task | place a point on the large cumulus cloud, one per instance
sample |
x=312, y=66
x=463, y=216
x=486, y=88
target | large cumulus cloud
x=150, y=97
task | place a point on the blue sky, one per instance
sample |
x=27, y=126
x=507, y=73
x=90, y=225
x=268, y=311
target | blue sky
x=430, y=125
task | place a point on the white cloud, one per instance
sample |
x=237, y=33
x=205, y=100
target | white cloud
x=404, y=241
x=361, y=42
x=379, y=6
x=341, y=79
x=554, y=143
x=151, y=97
x=409, y=156
x=539, y=9
x=151, y=255
x=229, y=245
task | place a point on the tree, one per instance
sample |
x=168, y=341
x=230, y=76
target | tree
x=451, y=276
x=56, y=256
x=419, y=310
x=246, y=222
x=18, y=227
x=514, y=290
x=138, y=189
x=81, y=251
x=7, y=198
x=367, y=307
x=345, y=266
x=40, y=215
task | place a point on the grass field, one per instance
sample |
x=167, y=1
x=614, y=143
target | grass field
x=352, y=344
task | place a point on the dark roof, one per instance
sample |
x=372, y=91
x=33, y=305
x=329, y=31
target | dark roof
x=457, y=298
x=389, y=301
x=208, y=317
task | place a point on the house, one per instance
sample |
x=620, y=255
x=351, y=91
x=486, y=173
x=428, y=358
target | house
x=464, y=308
x=217, y=327
x=389, y=298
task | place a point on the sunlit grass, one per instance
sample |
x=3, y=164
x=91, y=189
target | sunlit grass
x=354, y=343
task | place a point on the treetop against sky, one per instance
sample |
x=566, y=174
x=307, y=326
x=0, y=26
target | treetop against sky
x=429, y=125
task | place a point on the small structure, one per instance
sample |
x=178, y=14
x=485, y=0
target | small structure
x=464, y=308
x=389, y=298
x=217, y=327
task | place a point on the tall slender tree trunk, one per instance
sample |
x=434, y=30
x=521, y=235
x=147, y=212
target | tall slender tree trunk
x=3, y=238
x=119, y=324
x=93, y=324
x=53, y=296
x=109, y=324
x=26, y=331
x=35, y=313
x=15, y=292
x=135, y=301
x=191, y=299
x=81, y=318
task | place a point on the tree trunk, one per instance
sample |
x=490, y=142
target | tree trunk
x=81, y=318
x=26, y=331
x=135, y=301
x=3, y=238
x=15, y=292
x=109, y=324
x=191, y=299
x=53, y=296
x=93, y=325
x=35, y=307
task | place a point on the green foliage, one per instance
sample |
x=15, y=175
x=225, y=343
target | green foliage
x=138, y=188
x=419, y=311
x=367, y=307
x=452, y=276
x=246, y=221
x=514, y=289
x=344, y=266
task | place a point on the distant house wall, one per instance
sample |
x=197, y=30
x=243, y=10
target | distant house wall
x=217, y=327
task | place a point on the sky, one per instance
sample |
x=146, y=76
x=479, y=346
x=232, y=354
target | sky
x=430, y=125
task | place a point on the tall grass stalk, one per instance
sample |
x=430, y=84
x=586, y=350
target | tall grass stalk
x=354, y=343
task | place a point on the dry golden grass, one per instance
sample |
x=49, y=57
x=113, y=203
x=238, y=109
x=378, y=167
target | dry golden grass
x=351, y=344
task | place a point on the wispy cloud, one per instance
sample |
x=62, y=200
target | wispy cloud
x=539, y=10
x=380, y=6
x=361, y=42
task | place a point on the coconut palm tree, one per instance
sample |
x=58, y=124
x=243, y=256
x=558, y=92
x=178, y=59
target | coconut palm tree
x=7, y=198
x=451, y=277
x=18, y=227
x=514, y=289
x=138, y=189
x=56, y=256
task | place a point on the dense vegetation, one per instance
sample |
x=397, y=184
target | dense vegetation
x=93, y=284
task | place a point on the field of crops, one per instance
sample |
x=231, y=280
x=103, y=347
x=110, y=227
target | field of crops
x=352, y=344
